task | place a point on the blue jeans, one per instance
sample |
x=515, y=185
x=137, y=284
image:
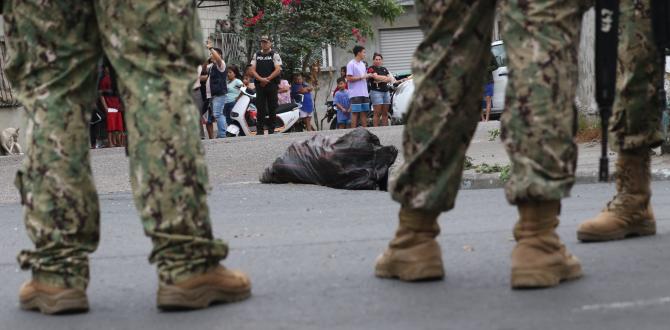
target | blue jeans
x=218, y=102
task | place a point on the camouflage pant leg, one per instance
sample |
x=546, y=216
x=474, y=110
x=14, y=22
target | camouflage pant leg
x=53, y=52
x=637, y=110
x=449, y=69
x=154, y=46
x=538, y=125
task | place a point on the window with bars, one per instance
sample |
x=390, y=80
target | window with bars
x=230, y=44
x=326, y=59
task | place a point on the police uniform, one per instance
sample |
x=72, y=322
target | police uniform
x=267, y=96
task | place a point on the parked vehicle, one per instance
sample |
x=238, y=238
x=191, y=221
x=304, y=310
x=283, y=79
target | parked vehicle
x=403, y=93
x=244, y=118
x=499, y=78
x=331, y=116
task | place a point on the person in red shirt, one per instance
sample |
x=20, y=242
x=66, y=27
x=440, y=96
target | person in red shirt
x=113, y=107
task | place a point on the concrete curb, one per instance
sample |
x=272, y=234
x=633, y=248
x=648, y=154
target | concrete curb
x=492, y=180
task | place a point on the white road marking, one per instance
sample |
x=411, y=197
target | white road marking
x=626, y=304
x=240, y=183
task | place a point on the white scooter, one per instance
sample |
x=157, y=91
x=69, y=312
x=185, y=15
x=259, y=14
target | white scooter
x=401, y=99
x=243, y=117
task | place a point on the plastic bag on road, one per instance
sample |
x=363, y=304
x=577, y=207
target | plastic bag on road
x=354, y=161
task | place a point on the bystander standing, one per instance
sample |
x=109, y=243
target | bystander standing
x=266, y=68
x=300, y=87
x=343, y=75
x=98, y=126
x=342, y=103
x=234, y=85
x=379, y=91
x=217, y=88
x=284, y=92
x=206, y=116
x=487, y=102
x=358, y=88
x=111, y=102
x=199, y=94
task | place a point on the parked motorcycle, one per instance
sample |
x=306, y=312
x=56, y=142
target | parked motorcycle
x=331, y=115
x=244, y=121
x=402, y=92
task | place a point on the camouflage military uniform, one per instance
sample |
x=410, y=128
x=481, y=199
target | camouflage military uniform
x=54, y=47
x=636, y=121
x=539, y=124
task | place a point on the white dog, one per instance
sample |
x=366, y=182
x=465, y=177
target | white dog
x=9, y=142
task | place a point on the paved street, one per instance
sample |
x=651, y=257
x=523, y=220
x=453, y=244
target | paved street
x=310, y=252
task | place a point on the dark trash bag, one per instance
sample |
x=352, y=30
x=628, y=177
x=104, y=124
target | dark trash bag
x=355, y=161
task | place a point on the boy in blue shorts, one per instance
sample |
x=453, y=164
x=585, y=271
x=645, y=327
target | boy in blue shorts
x=357, y=77
x=343, y=105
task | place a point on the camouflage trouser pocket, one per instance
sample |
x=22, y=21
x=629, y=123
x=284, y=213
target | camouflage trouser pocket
x=27, y=260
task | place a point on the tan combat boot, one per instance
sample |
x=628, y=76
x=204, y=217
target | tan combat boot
x=539, y=258
x=219, y=285
x=34, y=295
x=414, y=254
x=629, y=213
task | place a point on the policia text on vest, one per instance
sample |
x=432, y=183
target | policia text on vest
x=267, y=64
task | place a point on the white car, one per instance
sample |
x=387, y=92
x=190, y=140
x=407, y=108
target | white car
x=499, y=77
x=404, y=92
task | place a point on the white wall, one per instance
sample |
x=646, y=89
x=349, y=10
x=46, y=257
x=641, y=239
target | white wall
x=208, y=17
x=585, y=96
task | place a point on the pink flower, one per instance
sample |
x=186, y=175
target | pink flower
x=357, y=34
x=251, y=21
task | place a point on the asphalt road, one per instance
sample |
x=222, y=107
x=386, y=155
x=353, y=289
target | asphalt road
x=310, y=252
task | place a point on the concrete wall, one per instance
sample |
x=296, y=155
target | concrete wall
x=208, y=17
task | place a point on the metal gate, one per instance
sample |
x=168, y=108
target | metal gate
x=398, y=46
x=230, y=45
x=7, y=98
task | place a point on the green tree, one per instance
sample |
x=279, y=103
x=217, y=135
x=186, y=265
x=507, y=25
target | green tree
x=301, y=28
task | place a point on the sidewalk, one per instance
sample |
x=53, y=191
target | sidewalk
x=588, y=162
x=243, y=159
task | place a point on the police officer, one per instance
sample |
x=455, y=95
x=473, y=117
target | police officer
x=541, y=38
x=266, y=68
x=53, y=49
